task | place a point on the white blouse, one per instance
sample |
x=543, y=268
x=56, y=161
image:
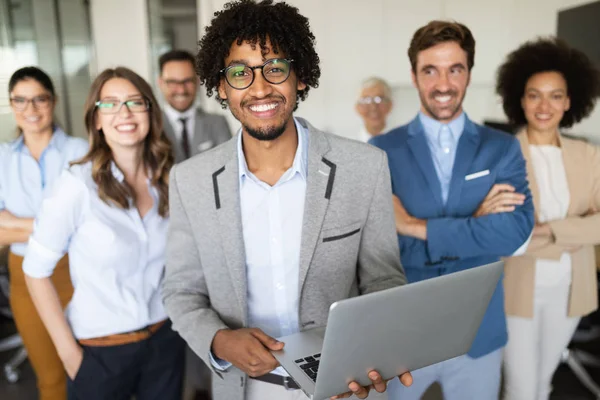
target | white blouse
x=116, y=258
x=554, y=198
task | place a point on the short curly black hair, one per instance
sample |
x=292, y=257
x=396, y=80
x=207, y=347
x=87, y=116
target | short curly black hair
x=546, y=55
x=256, y=22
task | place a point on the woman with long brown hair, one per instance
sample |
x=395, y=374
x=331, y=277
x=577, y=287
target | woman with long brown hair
x=29, y=167
x=110, y=213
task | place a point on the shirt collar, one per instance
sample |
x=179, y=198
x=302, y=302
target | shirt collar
x=432, y=127
x=116, y=171
x=300, y=164
x=120, y=176
x=57, y=141
x=175, y=115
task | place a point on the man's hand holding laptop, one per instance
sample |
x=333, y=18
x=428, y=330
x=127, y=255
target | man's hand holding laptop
x=378, y=384
x=249, y=349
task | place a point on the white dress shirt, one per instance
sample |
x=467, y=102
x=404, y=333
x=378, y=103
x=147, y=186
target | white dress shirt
x=554, y=196
x=116, y=258
x=24, y=181
x=174, y=117
x=272, y=228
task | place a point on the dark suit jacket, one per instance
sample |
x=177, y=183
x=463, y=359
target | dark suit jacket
x=210, y=131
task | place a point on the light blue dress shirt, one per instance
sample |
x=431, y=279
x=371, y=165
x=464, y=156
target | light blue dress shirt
x=24, y=181
x=116, y=257
x=442, y=140
x=272, y=228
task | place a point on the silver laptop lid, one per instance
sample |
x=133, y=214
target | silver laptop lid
x=404, y=328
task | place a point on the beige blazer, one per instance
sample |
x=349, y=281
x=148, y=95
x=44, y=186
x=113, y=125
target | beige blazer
x=580, y=227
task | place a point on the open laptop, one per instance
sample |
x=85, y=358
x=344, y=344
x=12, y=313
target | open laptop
x=392, y=331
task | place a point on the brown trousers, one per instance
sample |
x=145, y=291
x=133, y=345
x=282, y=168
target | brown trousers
x=48, y=368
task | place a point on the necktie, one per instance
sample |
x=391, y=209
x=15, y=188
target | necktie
x=445, y=139
x=185, y=140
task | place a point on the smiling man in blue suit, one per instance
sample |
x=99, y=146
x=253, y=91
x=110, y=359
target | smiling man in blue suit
x=461, y=200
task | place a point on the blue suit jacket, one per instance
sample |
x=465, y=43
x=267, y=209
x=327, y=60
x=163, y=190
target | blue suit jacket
x=455, y=240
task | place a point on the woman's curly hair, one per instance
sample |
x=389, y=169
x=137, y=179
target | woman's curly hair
x=545, y=55
x=248, y=21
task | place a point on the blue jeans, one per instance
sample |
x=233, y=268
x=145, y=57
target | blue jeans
x=461, y=378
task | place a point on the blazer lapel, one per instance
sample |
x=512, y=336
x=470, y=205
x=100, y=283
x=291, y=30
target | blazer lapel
x=571, y=161
x=417, y=143
x=468, y=145
x=226, y=190
x=319, y=187
x=203, y=139
x=533, y=186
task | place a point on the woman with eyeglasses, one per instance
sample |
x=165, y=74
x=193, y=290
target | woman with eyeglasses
x=547, y=86
x=110, y=213
x=29, y=167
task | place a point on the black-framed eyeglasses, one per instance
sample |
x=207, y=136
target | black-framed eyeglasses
x=275, y=71
x=171, y=83
x=113, y=106
x=41, y=102
x=376, y=100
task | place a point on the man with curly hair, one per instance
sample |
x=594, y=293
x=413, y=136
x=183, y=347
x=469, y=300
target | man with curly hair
x=452, y=181
x=272, y=227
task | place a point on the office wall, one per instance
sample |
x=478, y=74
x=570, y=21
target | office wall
x=356, y=39
x=121, y=35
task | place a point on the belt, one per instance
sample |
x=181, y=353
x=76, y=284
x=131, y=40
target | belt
x=285, y=381
x=123, y=338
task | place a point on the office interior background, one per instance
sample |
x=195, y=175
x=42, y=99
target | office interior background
x=75, y=39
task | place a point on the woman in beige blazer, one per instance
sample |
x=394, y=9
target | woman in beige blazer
x=545, y=86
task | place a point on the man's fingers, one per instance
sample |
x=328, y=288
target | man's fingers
x=342, y=396
x=506, y=198
x=502, y=187
x=265, y=359
x=503, y=200
x=378, y=383
x=358, y=391
x=259, y=360
x=406, y=379
x=266, y=340
x=498, y=188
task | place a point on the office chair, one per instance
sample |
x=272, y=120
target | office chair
x=577, y=359
x=13, y=342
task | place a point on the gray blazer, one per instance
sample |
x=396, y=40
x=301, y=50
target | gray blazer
x=210, y=130
x=349, y=244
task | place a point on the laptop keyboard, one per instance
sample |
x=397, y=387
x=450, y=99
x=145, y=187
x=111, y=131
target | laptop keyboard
x=310, y=365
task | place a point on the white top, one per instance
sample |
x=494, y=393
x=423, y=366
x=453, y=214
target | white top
x=272, y=228
x=24, y=181
x=116, y=258
x=554, y=198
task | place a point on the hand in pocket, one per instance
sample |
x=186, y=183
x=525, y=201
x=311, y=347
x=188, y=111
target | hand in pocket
x=73, y=363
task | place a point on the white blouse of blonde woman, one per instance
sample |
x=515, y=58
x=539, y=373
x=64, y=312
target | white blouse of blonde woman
x=116, y=255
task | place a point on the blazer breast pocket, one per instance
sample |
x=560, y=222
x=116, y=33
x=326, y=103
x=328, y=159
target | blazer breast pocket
x=482, y=180
x=345, y=232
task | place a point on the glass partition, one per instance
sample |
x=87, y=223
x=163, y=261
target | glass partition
x=53, y=35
